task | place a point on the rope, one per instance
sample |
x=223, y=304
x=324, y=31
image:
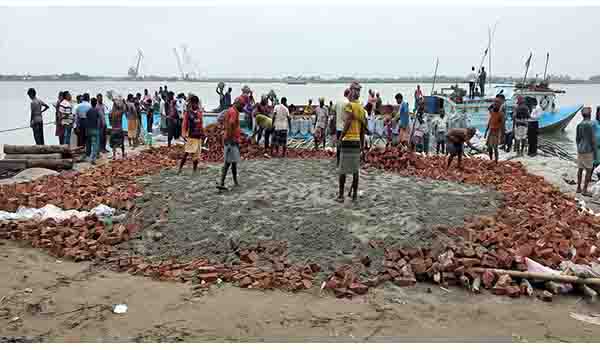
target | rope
x=24, y=127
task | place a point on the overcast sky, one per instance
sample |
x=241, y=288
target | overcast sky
x=274, y=41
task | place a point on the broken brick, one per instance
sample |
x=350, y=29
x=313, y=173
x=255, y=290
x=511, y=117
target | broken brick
x=358, y=288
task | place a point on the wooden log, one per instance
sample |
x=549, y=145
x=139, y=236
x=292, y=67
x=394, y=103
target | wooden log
x=541, y=276
x=37, y=149
x=34, y=156
x=54, y=164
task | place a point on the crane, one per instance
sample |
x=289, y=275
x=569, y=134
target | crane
x=134, y=71
x=183, y=76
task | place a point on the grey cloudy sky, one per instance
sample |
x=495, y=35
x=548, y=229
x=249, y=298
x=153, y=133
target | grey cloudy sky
x=267, y=41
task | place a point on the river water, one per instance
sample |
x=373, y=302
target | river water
x=15, y=103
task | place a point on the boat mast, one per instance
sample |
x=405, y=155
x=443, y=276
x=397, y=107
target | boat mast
x=437, y=62
x=491, y=33
x=546, y=68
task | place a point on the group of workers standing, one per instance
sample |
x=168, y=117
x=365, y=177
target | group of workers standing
x=476, y=82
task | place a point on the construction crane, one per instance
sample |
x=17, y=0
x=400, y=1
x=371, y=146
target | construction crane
x=190, y=67
x=183, y=75
x=134, y=71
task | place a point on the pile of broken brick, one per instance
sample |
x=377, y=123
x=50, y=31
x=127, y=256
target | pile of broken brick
x=536, y=221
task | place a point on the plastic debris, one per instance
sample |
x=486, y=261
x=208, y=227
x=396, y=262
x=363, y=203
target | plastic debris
x=50, y=211
x=120, y=308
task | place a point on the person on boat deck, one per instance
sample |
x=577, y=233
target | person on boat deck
x=92, y=126
x=440, y=127
x=58, y=131
x=117, y=138
x=192, y=129
x=340, y=121
x=586, y=150
x=378, y=103
x=457, y=137
x=482, y=77
x=281, y=124
x=102, y=111
x=352, y=139
x=227, y=99
x=472, y=79
x=132, y=121
x=418, y=96
x=322, y=116
x=495, y=128
x=372, y=100
x=38, y=107
x=263, y=122
x=533, y=131
x=219, y=91
x=596, y=124
x=521, y=116
x=309, y=111
x=403, y=119
x=231, y=142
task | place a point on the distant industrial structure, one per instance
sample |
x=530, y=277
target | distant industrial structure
x=134, y=71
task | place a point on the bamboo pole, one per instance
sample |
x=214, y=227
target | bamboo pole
x=541, y=276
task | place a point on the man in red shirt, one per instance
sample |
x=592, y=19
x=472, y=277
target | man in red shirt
x=231, y=142
x=192, y=128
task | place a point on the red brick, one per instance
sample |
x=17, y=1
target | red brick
x=315, y=267
x=489, y=261
x=307, y=284
x=418, y=265
x=404, y=281
x=209, y=277
x=358, y=288
x=332, y=283
x=488, y=279
x=245, y=282
x=469, y=262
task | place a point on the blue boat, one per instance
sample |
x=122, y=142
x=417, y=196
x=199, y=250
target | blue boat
x=542, y=100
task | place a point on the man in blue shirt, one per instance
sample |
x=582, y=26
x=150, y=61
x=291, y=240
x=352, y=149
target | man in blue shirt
x=80, y=115
x=403, y=119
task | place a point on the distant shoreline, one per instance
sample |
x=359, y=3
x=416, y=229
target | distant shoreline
x=281, y=81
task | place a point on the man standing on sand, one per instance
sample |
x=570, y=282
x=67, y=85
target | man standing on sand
x=231, y=142
x=171, y=111
x=457, y=138
x=520, y=120
x=38, y=107
x=92, y=130
x=403, y=119
x=351, y=143
x=586, y=150
x=281, y=122
x=117, y=138
x=132, y=121
x=67, y=119
x=81, y=112
x=494, y=129
x=340, y=121
x=322, y=116
x=102, y=111
x=192, y=128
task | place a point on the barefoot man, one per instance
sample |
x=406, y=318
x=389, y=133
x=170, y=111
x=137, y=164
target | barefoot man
x=351, y=142
x=192, y=129
x=586, y=148
x=457, y=138
x=231, y=142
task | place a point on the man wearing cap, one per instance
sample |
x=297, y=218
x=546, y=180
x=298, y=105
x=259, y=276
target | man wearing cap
x=322, y=114
x=586, y=149
x=351, y=142
x=231, y=142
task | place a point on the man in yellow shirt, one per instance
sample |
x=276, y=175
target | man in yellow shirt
x=351, y=142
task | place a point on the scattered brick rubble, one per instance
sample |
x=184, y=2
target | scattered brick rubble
x=536, y=221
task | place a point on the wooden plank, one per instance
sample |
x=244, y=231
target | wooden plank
x=34, y=156
x=37, y=149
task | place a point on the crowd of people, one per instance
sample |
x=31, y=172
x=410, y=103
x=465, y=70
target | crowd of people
x=90, y=123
